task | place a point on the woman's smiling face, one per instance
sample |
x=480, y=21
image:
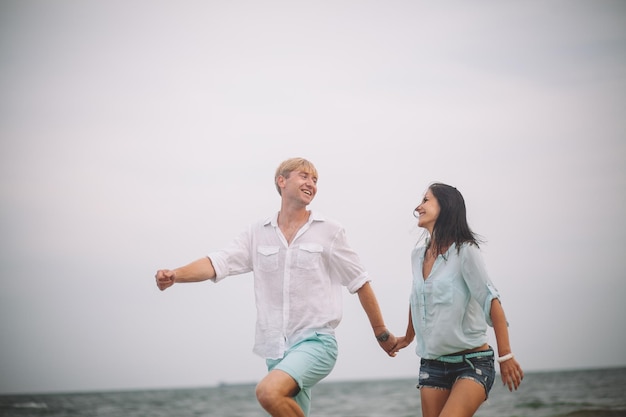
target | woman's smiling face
x=428, y=211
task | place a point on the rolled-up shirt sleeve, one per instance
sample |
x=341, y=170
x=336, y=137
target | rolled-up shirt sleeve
x=346, y=264
x=477, y=279
x=235, y=259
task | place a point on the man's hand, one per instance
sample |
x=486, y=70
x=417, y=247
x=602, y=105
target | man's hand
x=165, y=278
x=387, y=342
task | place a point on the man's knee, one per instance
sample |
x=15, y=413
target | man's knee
x=275, y=388
x=260, y=395
x=265, y=395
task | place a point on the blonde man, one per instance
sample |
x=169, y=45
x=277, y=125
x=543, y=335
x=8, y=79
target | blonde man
x=300, y=261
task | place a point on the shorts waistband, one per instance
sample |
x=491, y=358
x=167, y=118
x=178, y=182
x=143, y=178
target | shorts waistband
x=464, y=357
x=305, y=334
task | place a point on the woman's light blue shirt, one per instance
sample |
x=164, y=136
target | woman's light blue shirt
x=451, y=308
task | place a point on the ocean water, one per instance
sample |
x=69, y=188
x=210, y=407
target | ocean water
x=588, y=393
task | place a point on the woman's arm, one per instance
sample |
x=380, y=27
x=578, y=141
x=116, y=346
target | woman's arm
x=510, y=369
x=408, y=337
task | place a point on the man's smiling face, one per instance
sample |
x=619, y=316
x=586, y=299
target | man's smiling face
x=300, y=185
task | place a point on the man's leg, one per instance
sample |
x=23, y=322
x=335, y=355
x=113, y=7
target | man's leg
x=275, y=393
x=293, y=376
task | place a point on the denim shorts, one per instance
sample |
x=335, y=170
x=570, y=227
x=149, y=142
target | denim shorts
x=438, y=374
x=307, y=362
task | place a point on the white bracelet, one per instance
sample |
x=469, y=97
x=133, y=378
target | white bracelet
x=505, y=357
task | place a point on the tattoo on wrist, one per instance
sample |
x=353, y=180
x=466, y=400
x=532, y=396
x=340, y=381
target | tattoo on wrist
x=383, y=337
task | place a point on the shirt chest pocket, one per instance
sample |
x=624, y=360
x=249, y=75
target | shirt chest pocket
x=268, y=258
x=309, y=256
x=442, y=292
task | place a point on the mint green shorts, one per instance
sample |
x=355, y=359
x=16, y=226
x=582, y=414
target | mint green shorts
x=307, y=362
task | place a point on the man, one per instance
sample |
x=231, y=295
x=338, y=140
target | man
x=300, y=262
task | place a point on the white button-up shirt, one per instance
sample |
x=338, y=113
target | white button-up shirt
x=298, y=286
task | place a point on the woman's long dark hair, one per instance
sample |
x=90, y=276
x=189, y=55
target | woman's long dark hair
x=451, y=225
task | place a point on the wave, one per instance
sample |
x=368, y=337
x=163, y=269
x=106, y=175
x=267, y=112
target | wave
x=31, y=404
x=595, y=413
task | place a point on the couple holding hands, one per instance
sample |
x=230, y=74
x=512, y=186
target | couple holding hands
x=301, y=260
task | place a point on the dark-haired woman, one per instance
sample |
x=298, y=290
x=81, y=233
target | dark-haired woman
x=452, y=303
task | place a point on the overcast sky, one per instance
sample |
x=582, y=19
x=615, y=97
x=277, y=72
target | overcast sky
x=143, y=135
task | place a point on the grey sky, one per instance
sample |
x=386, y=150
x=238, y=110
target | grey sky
x=142, y=135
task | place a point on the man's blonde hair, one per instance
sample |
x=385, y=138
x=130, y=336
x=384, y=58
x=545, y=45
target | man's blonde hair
x=293, y=164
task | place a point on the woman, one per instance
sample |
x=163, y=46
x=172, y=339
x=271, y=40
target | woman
x=452, y=303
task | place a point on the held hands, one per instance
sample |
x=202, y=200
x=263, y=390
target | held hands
x=165, y=278
x=392, y=344
x=387, y=342
x=403, y=342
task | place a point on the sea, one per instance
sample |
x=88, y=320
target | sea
x=574, y=393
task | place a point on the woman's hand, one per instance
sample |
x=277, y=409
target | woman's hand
x=511, y=373
x=401, y=343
